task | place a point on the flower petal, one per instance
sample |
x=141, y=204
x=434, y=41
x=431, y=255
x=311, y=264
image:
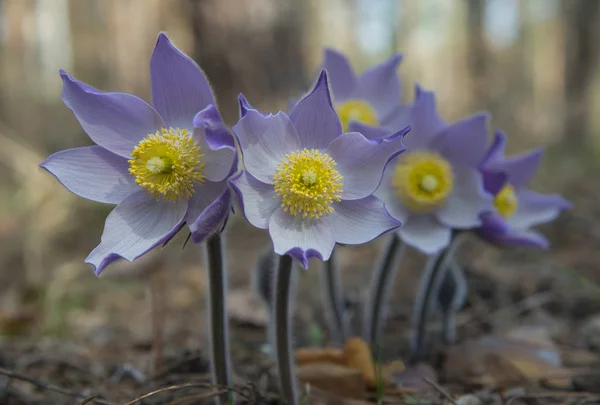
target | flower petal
x=135, y=226
x=380, y=86
x=361, y=161
x=301, y=238
x=519, y=169
x=522, y=238
x=535, y=208
x=179, y=88
x=265, y=140
x=424, y=233
x=341, y=77
x=425, y=121
x=360, y=221
x=467, y=200
x=388, y=195
x=256, y=198
x=368, y=131
x=115, y=121
x=496, y=150
x=464, y=142
x=208, y=209
x=216, y=143
x=493, y=182
x=398, y=118
x=92, y=172
x=314, y=118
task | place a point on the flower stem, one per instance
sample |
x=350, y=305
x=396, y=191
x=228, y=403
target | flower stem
x=334, y=300
x=431, y=281
x=217, y=290
x=283, y=331
x=380, y=289
x=451, y=298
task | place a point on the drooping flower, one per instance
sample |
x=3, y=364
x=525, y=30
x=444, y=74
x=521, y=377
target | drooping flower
x=308, y=183
x=371, y=100
x=435, y=186
x=163, y=165
x=516, y=208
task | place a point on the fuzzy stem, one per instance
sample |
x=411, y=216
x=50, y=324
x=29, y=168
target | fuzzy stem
x=431, y=281
x=283, y=331
x=219, y=334
x=379, y=292
x=449, y=314
x=334, y=300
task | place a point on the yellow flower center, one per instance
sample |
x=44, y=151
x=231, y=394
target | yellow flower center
x=356, y=110
x=423, y=180
x=308, y=183
x=506, y=201
x=167, y=164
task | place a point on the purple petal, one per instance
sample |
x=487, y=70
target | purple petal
x=361, y=161
x=115, y=121
x=464, y=142
x=425, y=121
x=496, y=150
x=380, y=86
x=424, y=233
x=342, y=78
x=398, y=118
x=179, y=87
x=493, y=182
x=360, y=221
x=301, y=238
x=265, y=140
x=467, y=200
x=522, y=238
x=368, y=131
x=138, y=224
x=244, y=105
x=493, y=223
x=386, y=193
x=208, y=209
x=256, y=198
x=216, y=143
x=314, y=118
x=535, y=208
x=92, y=172
x=519, y=169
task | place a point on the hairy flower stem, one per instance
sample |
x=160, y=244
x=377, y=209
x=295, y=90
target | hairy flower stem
x=430, y=284
x=379, y=292
x=283, y=331
x=334, y=301
x=455, y=287
x=219, y=334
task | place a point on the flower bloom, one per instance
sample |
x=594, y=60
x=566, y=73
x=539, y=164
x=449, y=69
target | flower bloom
x=162, y=165
x=435, y=186
x=308, y=183
x=371, y=99
x=516, y=208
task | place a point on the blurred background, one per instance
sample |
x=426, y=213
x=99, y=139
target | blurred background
x=532, y=63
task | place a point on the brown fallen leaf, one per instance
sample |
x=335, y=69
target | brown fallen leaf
x=17, y=323
x=317, y=355
x=358, y=357
x=333, y=378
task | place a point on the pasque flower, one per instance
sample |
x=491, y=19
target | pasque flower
x=162, y=165
x=436, y=186
x=516, y=208
x=308, y=183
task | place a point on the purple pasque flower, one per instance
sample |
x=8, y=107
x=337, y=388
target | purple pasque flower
x=369, y=100
x=162, y=165
x=435, y=186
x=516, y=208
x=307, y=183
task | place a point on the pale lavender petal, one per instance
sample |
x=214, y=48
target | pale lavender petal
x=425, y=233
x=519, y=169
x=360, y=221
x=467, y=200
x=464, y=142
x=179, y=88
x=341, y=77
x=208, y=209
x=256, y=199
x=92, y=172
x=138, y=224
x=265, y=140
x=380, y=86
x=535, y=208
x=387, y=193
x=398, y=118
x=314, y=118
x=361, y=161
x=425, y=121
x=496, y=150
x=301, y=238
x=369, y=131
x=115, y=121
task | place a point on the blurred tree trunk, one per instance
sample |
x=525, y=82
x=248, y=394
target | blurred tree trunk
x=477, y=54
x=581, y=56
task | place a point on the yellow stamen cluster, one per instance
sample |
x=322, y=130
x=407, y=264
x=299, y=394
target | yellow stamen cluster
x=423, y=180
x=506, y=201
x=167, y=164
x=356, y=110
x=308, y=183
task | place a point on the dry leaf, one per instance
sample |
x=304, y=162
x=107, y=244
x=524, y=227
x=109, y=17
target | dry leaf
x=333, y=378
x=358, y=356
x=318, y=355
